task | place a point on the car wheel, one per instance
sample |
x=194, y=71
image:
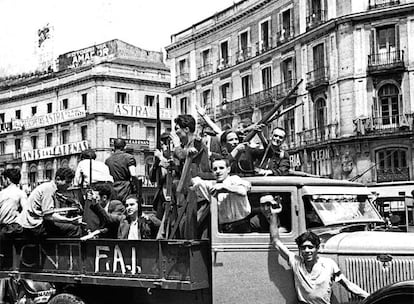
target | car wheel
x=66, y=298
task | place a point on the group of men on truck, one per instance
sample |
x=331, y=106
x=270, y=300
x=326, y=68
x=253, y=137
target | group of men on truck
x=193, y=163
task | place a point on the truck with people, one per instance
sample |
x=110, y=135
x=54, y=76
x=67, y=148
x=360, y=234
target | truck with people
x=226, y=267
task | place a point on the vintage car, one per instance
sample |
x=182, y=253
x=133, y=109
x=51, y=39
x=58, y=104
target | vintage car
x=228, y=267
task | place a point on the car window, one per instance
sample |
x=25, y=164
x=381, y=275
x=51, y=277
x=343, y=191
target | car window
x=257, y=221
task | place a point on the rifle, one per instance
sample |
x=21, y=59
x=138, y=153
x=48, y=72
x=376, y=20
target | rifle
x=271, y=115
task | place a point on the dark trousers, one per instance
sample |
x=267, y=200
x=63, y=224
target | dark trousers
x=240, y=226
x=57, y=229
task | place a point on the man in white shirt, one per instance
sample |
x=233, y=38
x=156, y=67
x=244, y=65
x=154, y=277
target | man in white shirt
x=100, y=171
x=231, y=193
x=313, y=275
x=12, y=200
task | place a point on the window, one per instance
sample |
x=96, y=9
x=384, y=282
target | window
x=183, y=105
x=49, y=107
x=84, y=132
x=287, y=25
x=64, y=137
x=385, y=45
x=18, y=114
x=389, y=107
x=224, y=53
x=65, y=104
x=225, y=93
x=392, y=165
x=244, y=41
x=122, y=131
x=149, y=101
x=287, y=71
x=121, y=97
x=167, y=103
x=17, y=145
x=1, y=118
x=33, y=176
x=182, y=67
x=318, y=57
x=205, y=57
x=49, y=137
x=258, y=218
x=206, y=99
x=2, y=147
x=48, y=171
x=33, y=139
x=264, y=35
x=34, y=110
x=246, y=85
x=266, y=78
x=150, y=133
x=85, y=100
x=290, y=126
x=320, y=118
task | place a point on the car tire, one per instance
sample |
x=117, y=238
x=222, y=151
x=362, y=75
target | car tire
x=66, y=298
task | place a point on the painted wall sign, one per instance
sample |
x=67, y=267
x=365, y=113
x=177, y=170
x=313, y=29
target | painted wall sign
x=295, y=160
x=60, y=150
x=140, y=144
x=86, y=56
x=39, y=121
x=323, y=154
x=131, y=110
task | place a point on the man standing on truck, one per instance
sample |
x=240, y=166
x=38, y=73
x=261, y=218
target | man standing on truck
x=313, y=274
x=231, y=192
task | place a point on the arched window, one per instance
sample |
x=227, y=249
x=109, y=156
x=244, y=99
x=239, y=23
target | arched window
x=33, y=176
x=48, y=171
x=64, y=163
x=389, y=105
x=392, y=165
x=320, y=118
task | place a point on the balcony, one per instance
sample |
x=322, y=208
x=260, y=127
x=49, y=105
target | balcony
x=260, y=99
x=318, y=135
x=315, y=18
x=243, y=54
x=205, y=70
x=264, y=46
x=374, y=4
x=317, y=78
x=223, y=63
x=6, y=127
x=285, y=35
x=384, y=125
x=5, y=158
x=386, y=61
x=393, y=174
x=182, y=78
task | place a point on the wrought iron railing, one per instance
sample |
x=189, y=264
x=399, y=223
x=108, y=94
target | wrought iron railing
x=182, y=78
x=373, y=4
x=315, y=18
x=285, y=35
x=386, y=59
x=223, y=63
x=316, y=135
x=205, y=70
x=393, y=174
x=243, y=54
x=264, y=45
x=319, y=76
x=384, y=124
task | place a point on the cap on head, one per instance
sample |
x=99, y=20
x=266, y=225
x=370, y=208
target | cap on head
x=267, y=199
x=119, y=144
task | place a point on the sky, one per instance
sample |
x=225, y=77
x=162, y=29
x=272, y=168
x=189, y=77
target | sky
x=78, y=24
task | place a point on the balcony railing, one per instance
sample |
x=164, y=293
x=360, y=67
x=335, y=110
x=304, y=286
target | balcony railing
x=373, y=4
x=182, y=78
x=243, y=54
x=393, y=174
x=384, y=124
x=205, y=70
x=223, y=63
x=317, y=78
x=285, y=35
x=4, y=158
x=385, y=61
x=264, y=45
x=260, y=99
x=315, y=18
x=313, y=136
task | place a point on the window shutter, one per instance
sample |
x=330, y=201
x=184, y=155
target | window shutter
x=372, y=41
x=397, y=38
x=375, y=113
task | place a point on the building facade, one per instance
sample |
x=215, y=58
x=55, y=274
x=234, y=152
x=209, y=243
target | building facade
x=354, y=118
x=96, y=95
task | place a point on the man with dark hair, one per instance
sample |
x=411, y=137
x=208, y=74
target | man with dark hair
x=100, y=171
x=122, y=167
x=275, y=161
x=313, y=274
x=91, y=213
x=12, y=200
x=231, y=193
x=40, y=219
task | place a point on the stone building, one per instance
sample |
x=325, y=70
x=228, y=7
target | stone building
x=96, y=94
x=356, y=102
